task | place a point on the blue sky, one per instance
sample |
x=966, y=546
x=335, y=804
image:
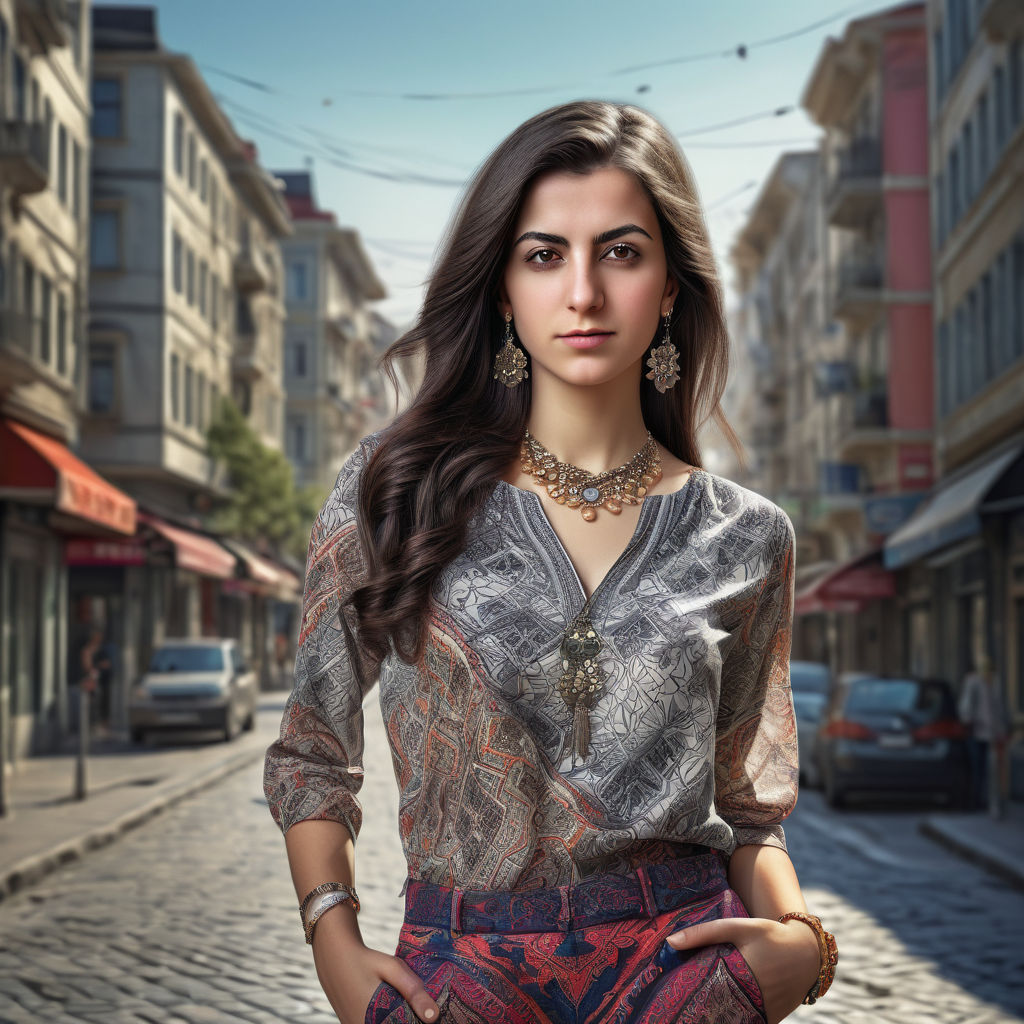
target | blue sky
x=331, y=75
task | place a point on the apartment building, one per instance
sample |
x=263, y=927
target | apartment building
x=868, y=91
x=960, y=558
x=186, y=306
x=46, y=491
x=335, y=395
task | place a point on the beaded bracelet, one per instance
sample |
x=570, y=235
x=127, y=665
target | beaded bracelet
x=827, y=950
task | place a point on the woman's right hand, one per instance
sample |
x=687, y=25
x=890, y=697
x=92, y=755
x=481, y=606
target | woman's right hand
x=350, y=972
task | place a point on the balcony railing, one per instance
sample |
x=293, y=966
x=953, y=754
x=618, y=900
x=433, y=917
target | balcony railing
x=43, y=24
x=252, y=269
x=24, y=157
x=1002, y=19
x=858, y=287
x=856, y=186
x=19, y=333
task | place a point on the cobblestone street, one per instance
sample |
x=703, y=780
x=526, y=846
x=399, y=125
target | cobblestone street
x=192, y=918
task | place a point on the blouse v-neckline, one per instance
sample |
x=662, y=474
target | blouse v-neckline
x=653, y=510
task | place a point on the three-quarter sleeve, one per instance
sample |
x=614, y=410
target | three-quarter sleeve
x=314, y=769
x=756, y=754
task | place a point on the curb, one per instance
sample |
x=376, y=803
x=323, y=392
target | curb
x=30, y=870
x=1010, y=869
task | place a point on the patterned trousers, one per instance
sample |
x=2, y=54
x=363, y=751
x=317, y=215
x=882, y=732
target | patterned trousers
x=590, y=953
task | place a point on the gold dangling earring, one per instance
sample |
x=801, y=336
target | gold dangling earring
x=664, y=361
x=510, y=362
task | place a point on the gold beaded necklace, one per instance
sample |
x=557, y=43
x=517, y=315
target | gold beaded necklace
x=569, y=485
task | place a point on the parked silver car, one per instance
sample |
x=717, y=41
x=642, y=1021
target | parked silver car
x=811, y=682
x=202, y=683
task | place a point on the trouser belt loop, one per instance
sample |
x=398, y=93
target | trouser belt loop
x=650, y=905
x=456, y=924
x=564, y=917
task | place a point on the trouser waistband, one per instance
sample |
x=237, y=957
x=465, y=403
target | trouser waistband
x=650, y=889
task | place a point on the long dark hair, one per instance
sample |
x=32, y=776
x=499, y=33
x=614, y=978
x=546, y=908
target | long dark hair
x=442, y=456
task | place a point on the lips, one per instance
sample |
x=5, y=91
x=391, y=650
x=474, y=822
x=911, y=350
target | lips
x=591, y=339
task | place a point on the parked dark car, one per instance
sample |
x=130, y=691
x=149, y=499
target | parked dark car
x=195, y=684
x=811, y=683
x=893, y=737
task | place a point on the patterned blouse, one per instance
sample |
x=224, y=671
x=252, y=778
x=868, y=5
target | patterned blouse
x=693, y=741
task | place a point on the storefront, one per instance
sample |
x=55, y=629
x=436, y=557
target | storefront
x=960, y=561
x=46, y=495
x=142, y=591
x=850, y=608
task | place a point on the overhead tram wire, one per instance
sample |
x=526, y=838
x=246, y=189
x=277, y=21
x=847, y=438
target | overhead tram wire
x=740, y=51
x=336, y=156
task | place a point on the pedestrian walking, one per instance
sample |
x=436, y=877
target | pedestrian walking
x=982, y=709
x=581, y=635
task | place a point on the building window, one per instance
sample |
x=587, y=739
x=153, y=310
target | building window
x=214, y=400
x=102, y=384
x=175, y=387
x=76, y=179
x=178, y=262
x=204, y=274
x=214, y=301
x=297, y=281
x=201, y=400
x=298, y=360
x=190, y=277
x=297, y=439
x=191, y=160
x=106, y=108
x=45, y=318
x=214, y=203
x=983, y=140
x=106, y=239
x=1016, y=62
x=179, y=144
x=203, y=180
x=48, y=132
x=62, y=334
x=62, y=164
x=188, y=396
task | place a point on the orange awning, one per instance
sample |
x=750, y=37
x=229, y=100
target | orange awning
x=192, y=550
x=36, y=468
x=849, y=587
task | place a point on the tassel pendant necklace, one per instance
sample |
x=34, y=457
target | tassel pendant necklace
x=582, y=681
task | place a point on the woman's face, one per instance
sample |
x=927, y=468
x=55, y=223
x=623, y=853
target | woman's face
x=587, y=254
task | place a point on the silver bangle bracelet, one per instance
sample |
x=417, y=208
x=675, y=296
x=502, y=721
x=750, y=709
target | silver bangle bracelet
x=319, y=906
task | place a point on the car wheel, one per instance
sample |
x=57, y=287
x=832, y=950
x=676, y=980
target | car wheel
x=138, y=735
x=834, y=796
x=250, y=722
x=230, y=726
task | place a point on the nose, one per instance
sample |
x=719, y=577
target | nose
x=585, y=291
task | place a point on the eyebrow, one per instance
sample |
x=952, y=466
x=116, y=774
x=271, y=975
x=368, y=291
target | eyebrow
x=605, y=236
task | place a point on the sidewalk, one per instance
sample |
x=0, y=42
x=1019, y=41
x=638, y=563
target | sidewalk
x=996, y=845
x=125, y=785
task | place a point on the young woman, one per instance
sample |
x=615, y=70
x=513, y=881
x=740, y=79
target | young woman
x=581, y=636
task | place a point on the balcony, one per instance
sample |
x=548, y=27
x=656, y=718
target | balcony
x=856, y=190
x=858, y=288
x=19, y=343
x=864, y=421
x=43, y=24
x=1001, y=20
x=245, y=361
x=253, y=272
x=24, y=157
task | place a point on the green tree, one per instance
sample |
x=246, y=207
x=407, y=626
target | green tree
x=264, y=503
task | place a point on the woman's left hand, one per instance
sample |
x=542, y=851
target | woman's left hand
x=783, y=956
